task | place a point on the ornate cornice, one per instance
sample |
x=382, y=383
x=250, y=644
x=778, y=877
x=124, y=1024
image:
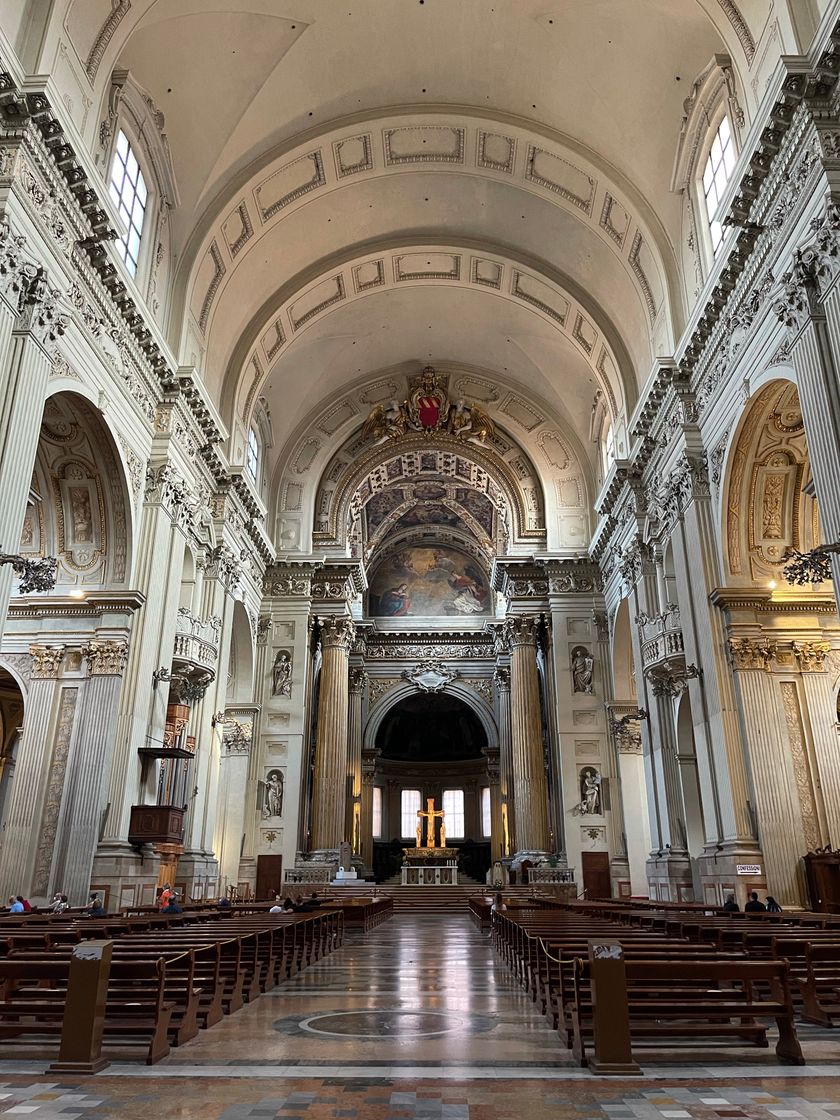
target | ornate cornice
x=769, y=602
x=94, y=604
x=418, y=645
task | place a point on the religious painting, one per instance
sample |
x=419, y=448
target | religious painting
x=82, y=527
x=379, y=506
x=479, y=506
x=429, y=581
x=270, y=794
x=428, y=514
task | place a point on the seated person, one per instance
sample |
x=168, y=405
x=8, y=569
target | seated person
x=754, y=906
x=172, y=906
x=731, y=906
x=498, y=904
x=59, y=903
x=223, y=903
x=15, y=907
x=94, y=908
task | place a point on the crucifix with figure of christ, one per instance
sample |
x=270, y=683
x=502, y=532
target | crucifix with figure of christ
x=430, y=815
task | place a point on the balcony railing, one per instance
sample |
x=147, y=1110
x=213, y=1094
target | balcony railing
x=662, y=638
x=196, y=641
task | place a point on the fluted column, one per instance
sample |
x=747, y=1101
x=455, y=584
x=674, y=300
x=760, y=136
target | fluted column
x=89, y=766
x=721, y=765
x=818, y=690
x=32, y=804
x=508, y=818
x=774, y=781
x=496, y=823
x=160, y=555
x=368, y=772
x=237, y=745
x=353, y=811
x=530, y=788
x=28, y=321
x=330, y=781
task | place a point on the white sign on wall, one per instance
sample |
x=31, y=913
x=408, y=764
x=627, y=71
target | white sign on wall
x=748, y=868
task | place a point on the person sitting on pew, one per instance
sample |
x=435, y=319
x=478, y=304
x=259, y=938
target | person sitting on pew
x=172, y=906
x=223, y=903
x=731, y=906
x=15, y=906
x=754, y=906
x=59, y=903
x=94, y=908
x=25, y=903
x=772, y=905
x=498, y=904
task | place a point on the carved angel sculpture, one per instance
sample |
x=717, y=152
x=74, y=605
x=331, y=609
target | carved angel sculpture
x=386, y=421
x=470, y=422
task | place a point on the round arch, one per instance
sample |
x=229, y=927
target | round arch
x=404, y=689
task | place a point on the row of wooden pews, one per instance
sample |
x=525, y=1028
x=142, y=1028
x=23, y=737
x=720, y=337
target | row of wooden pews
x=591, y=967
x=170, y=975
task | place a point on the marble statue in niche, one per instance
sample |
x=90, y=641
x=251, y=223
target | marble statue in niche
x=281, y=674
x=272, y=794
x=582, y=667
x=590, y=791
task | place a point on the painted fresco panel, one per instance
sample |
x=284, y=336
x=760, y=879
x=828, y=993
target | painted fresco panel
x=426, y=582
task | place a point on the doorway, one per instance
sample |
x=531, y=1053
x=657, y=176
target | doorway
x=596, y=874
x=269, y=876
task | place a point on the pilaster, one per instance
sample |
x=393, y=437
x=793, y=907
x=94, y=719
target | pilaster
x=330, y=779
x=530, y=788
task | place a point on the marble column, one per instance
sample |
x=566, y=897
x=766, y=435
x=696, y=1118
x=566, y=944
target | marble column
x=31, y=815
x=496, y=822
x=721, y=765
x=330, y=779
x=368, y=772
x=237, y=745
x=89, y=765
x=530, y=788
x=262, y=676
x=28, y=322
x=353, y=810
x=773, y=778
x=820, y=700
x=508, y=818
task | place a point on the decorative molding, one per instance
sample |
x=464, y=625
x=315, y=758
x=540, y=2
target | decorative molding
x=119, y=10
x=430, y=675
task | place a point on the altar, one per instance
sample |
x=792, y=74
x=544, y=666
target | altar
x=430, y=864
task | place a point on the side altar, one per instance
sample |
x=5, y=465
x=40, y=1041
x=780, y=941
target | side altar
x=430, y=864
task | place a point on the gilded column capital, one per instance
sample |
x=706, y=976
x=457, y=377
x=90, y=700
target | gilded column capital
x=337, y=633
x=810, y=656
x=106, y=659
x=521, y=630
x=46, y=661
x=749, y=654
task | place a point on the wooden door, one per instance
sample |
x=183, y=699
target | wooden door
x=269, y=876
x=596, y=874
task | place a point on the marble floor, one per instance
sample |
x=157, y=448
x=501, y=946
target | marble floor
x=418, y=1019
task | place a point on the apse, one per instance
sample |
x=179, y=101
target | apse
x=431, y=728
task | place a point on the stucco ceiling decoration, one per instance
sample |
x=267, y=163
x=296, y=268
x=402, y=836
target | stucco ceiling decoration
x=498, y=151
x=430, y=265
x=532, y=447
x=354, y=477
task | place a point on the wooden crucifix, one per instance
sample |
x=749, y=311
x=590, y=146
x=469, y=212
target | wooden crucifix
x=430, y=815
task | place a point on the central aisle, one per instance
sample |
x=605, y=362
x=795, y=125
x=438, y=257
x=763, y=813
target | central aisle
x=414, y=992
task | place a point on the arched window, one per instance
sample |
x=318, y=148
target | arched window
x=409, y=807
x=719, y=164
x=486, y=823
x=377, y=812
x=453, y=807
x=252, y=455
x=129, y=194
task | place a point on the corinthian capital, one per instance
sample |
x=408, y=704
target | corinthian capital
x=337, y=633
x=46, y=661
x=521, y=630
x=749, y=654
x=106, y=659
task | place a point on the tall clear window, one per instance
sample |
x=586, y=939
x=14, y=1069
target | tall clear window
x=453, y=807
x=252, y=454
x=377, y=812
x=129, y=194
x=485, y=811
x=409, y=807
x=719, y=167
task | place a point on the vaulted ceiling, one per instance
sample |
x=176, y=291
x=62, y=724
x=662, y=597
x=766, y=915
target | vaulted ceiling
x=369, y=183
